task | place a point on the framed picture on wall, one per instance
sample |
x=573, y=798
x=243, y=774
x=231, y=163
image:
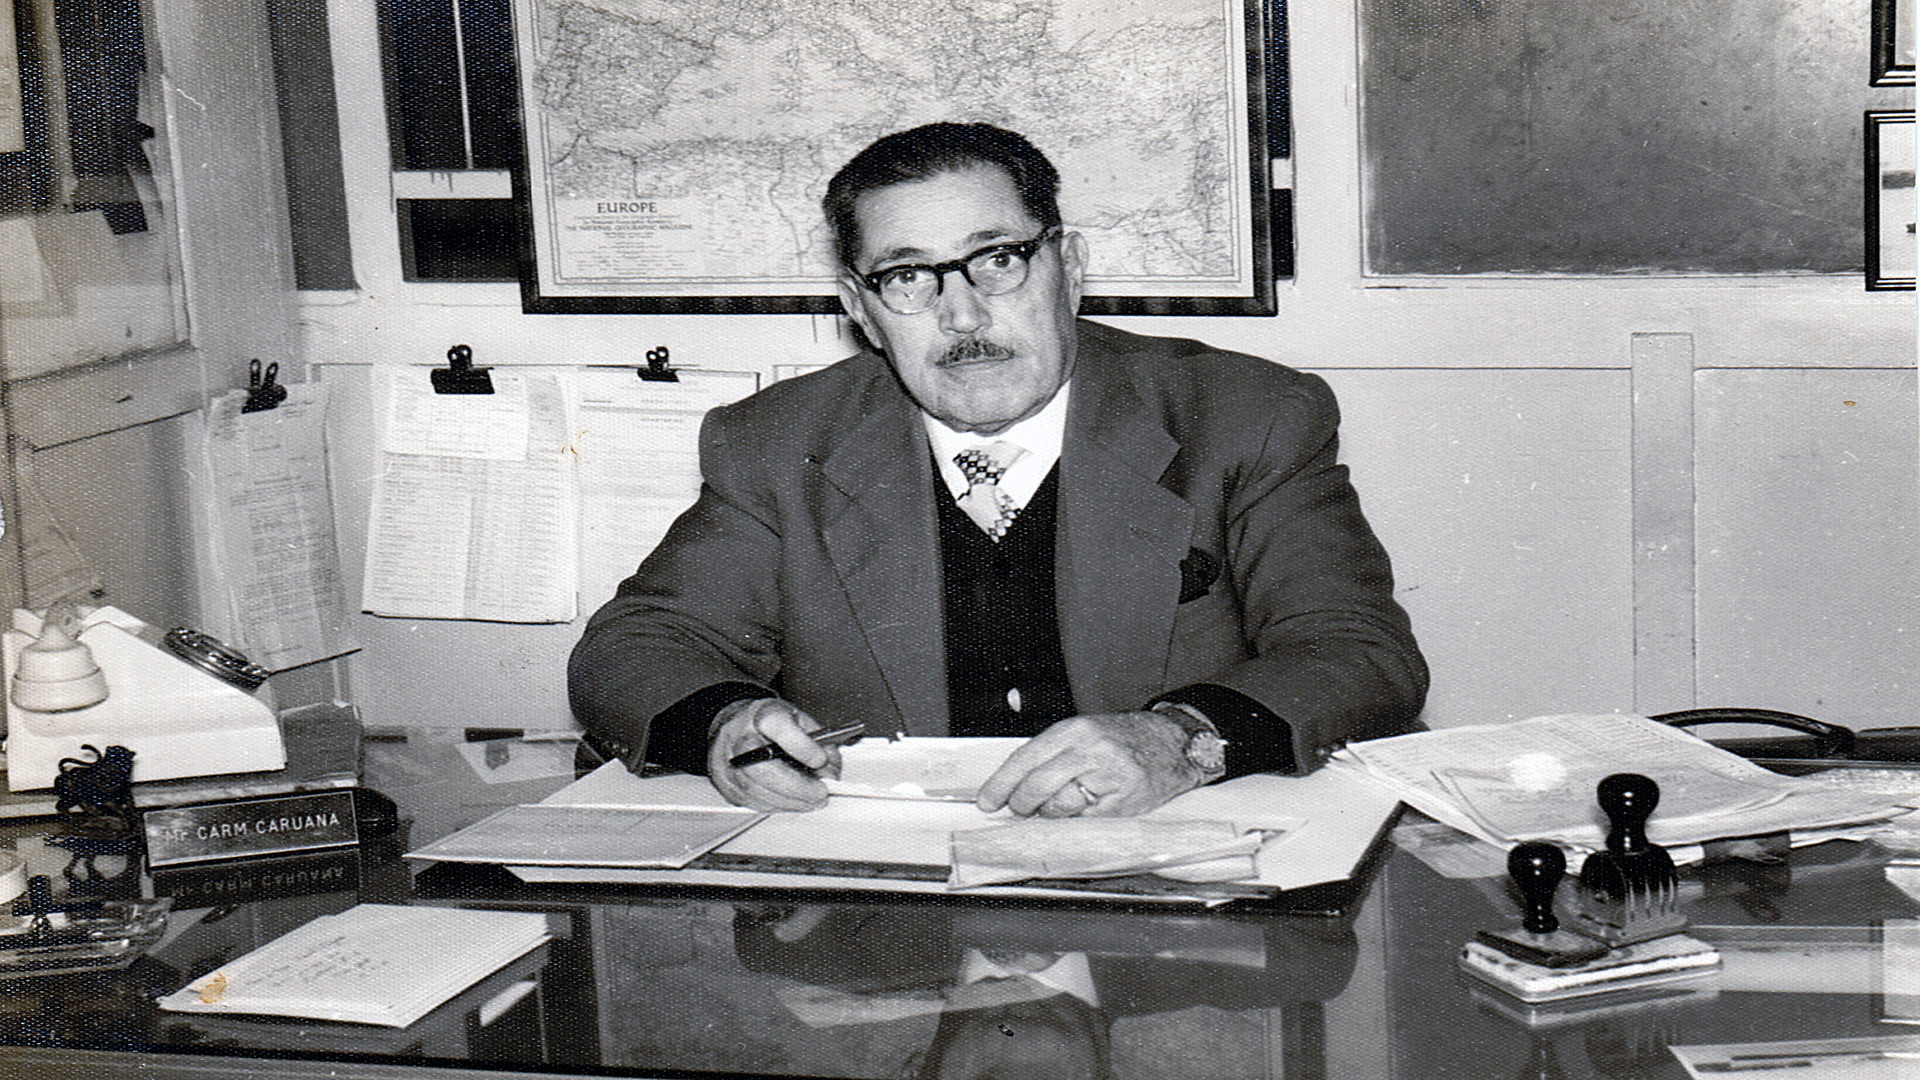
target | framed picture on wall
x=1890, y=205
x=1892, y=43
x=675, y=163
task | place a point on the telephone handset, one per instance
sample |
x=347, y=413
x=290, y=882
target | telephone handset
x=216, y=657
x=1809, y=745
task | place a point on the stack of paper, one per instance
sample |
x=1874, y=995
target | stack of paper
x=371, y=964
x=1536, y=780
x=1308, y=830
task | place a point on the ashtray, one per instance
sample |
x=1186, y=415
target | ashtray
x=103, y=937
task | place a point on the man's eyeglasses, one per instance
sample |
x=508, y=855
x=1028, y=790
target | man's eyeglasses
x=914, y=287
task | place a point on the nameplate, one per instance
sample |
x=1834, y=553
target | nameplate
x=242, y=827
x=236, y=881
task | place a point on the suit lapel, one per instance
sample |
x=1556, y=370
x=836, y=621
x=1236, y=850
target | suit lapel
x=884, y=543
x=1121, y=538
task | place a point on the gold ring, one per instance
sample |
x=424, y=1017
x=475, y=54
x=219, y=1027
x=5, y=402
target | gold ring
x=1086, y=793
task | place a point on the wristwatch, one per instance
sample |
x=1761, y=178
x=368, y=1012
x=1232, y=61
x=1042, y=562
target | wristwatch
x=1206, y=751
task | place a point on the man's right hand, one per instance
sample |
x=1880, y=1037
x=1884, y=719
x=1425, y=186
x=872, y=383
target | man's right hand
x=776, y=784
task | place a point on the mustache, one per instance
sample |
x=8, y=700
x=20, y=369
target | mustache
x=970, y=349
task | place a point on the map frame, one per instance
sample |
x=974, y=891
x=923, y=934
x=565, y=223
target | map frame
x=1246, y=162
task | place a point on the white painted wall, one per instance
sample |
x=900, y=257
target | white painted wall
x=1567, y=472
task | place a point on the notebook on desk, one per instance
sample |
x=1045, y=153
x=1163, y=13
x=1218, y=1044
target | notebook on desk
x=1328, y=830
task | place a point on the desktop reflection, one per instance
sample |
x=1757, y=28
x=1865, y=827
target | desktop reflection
x=918, y=990
x=1822, y=943
x=1056, y=993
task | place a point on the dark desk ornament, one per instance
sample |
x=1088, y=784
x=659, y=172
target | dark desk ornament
x=98, y=791
x=1623, y=925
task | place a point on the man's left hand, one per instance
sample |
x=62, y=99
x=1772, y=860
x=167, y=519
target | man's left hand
x=1106, y=765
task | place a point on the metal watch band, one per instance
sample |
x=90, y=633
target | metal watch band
x=1205, y=749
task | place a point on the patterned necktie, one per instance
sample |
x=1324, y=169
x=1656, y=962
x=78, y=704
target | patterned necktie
x=983, y=466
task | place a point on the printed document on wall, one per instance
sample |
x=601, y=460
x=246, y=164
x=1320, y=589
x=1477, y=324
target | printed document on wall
x=474, y=505
x=639, y=447
x=275, y=550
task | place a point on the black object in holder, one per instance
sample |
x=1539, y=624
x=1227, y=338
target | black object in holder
x=1536, y=868
x=1625, y=913
x=460, y=376
x=657, y=369
x=1629, y=892
x=263, y=392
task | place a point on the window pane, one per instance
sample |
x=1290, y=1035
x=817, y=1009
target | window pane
x=97, y=268
x=458, y=239
x=423, y=85
x=486, y=40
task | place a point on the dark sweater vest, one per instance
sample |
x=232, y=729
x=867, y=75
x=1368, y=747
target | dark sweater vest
x=1002, y=630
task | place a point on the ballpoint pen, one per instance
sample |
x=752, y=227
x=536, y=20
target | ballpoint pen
x=833, y=736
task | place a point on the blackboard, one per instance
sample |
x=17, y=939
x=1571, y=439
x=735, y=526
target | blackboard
x=1615, y=136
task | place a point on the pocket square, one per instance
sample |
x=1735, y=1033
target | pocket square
x=1198, y=572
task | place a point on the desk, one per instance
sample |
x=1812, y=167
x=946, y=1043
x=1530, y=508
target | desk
x=651, y=984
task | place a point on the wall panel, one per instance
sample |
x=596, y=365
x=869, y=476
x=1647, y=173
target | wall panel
x=1809, y=542
x=1505, y=499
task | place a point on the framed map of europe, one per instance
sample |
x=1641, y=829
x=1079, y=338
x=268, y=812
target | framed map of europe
x=677, y=150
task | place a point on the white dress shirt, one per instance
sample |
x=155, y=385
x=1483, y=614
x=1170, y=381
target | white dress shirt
x=1040, y=435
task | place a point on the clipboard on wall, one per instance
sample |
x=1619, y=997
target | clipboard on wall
x=637, y=459
x=473, y=500
x=517, y=495
x=261, y=492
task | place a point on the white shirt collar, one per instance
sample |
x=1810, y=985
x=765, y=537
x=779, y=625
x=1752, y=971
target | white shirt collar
x=1070, y=973
x=1040, y=435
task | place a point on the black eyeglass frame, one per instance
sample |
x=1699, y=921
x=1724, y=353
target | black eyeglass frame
x=1024, y=249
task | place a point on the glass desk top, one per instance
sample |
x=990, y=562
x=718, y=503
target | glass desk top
x=659, y=983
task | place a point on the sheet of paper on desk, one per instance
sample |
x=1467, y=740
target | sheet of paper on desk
x=387, y=964
x=914, y=767
x=1102, y=847
x=1888, y=1057
x=540, y=834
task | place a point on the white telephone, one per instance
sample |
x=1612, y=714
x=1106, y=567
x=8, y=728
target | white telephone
x=177, y=716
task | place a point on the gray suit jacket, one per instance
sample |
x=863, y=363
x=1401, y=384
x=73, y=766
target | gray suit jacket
x=810, y=563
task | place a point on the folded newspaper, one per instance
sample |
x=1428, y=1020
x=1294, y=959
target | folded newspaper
x=1194, y=851
x=1535, y=780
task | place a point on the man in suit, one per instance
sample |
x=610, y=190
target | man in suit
x=1000, y=519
